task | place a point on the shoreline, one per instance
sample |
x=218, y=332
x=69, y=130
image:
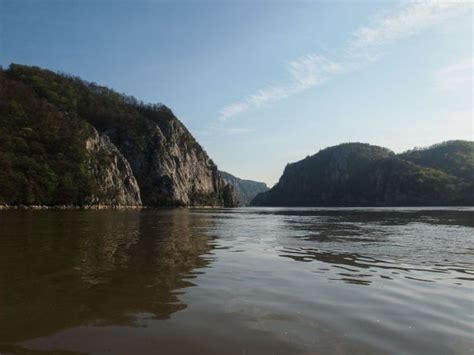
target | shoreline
x=93, y=207
x=134, y=207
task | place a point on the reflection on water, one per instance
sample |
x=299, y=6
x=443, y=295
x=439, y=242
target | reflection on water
x=416, y=243
x=268, y=280
x=62, y=269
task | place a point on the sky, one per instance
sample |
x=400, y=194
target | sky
x=264, y=83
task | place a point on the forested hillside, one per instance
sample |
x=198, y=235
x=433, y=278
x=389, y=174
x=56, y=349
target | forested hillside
x=46, y=120
x=356, y=174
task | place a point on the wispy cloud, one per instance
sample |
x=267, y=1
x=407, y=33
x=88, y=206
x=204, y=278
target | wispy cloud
x=455, y=76
x=365, y=45
x=406, y=21
x=305, y=72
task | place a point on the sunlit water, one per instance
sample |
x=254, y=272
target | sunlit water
x=237, y=281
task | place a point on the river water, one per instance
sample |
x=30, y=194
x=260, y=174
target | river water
x=238, y=281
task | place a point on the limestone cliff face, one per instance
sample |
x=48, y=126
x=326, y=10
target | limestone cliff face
x=330, y=177
x=245, y=190
x=115, y=183
x=171, y=168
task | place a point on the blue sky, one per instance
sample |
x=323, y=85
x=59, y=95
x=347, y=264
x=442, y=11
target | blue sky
x=264, y=83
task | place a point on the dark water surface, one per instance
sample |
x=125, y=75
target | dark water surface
x=237, y=281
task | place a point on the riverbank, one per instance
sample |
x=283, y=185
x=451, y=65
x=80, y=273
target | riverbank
x=94, y=207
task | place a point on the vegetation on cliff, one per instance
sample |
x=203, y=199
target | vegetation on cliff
x=455, y=158
x=46, y=119
x=356, y=174
x=43, y=156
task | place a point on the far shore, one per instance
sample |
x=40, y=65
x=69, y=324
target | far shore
x=94, y=207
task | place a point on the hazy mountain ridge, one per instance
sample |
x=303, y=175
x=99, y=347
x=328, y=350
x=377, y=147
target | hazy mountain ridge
x=245, y=190
x=45, y=125
x=357, y=174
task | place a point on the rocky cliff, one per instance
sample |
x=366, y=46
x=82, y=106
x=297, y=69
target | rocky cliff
x=111, y=172
x=171, y=167
x=67, y=141
x=356, y=174
x=245, y=190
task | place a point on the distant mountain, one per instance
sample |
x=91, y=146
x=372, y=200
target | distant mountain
x=245, y=190
x=357, y=174
x=64, y=141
